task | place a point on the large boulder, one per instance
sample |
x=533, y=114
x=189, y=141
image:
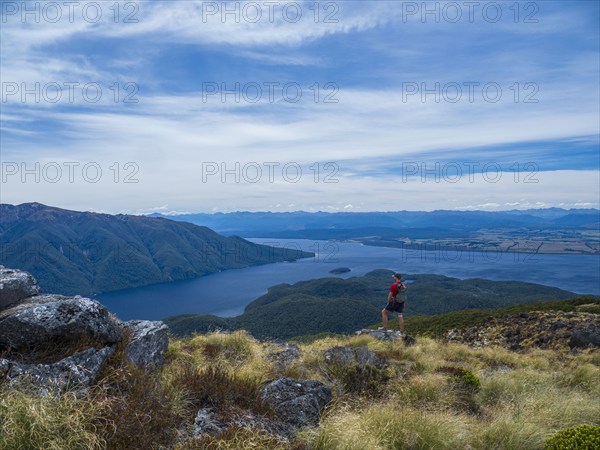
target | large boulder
x=47, y=318
x=148, y=343
x=344, y=356
x=297, y=402
x=77, y=371
x=15, y=286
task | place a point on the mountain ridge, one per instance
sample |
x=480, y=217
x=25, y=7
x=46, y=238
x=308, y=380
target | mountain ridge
x=86, y=253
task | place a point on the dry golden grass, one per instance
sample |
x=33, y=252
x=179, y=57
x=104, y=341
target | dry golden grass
x=29, y=421
x=416, y=403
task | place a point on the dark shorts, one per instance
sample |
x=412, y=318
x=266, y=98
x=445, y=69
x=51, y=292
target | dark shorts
x=395, y=307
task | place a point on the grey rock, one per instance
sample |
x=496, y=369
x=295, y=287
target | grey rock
x=382, y=335
x=77, y=371
x=207, y=422
x=364, y=357
x=350, y=355
x=297, y=402
x=148, y=344
x=284, y=358
x=48, y=317
x=587, y=337
x=342, y=356
x=249, y=420
x=15, y=286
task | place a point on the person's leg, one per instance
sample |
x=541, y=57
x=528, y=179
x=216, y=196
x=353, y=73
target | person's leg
x=384, y=316
x=401, y=323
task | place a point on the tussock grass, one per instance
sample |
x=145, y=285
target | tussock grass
x=30, y=421
x=543, y=392
x=137, y=411
x=216, y=387
x=417, y=402
x=386, y=425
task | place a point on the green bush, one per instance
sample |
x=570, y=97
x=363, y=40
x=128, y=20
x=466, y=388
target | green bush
x=584, y=437
x=464, y=378
x=469, y=380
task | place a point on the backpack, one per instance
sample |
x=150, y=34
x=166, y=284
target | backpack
x=401, y=292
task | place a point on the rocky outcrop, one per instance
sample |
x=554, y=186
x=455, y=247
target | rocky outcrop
x=208, y=421
x=59, y=342
x=147, y=344
x=383, y=335
x=15, y=286
x=344, y=356
x=537, y=329
x=74, y=372
x=50, y=317
x=297, y=402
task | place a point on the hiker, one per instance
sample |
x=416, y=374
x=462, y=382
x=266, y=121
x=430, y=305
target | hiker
x=396, y=299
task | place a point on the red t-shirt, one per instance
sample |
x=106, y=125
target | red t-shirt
x=394, y=289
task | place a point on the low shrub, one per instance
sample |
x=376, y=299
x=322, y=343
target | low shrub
x=584, y=437
x=469, y=380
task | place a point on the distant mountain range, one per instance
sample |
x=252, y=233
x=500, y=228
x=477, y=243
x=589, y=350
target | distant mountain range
x=335, y=305
x=414, y=224
x=86, y=253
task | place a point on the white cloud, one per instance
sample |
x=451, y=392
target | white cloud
x=169, y=136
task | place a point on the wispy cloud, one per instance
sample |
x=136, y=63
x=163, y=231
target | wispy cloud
x=370, y=59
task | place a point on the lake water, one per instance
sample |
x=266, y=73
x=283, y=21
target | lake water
x=227, y=293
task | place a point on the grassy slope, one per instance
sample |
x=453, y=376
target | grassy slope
x=416, y=402
x=438, y=324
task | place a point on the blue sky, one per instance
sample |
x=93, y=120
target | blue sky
x=444, y=105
